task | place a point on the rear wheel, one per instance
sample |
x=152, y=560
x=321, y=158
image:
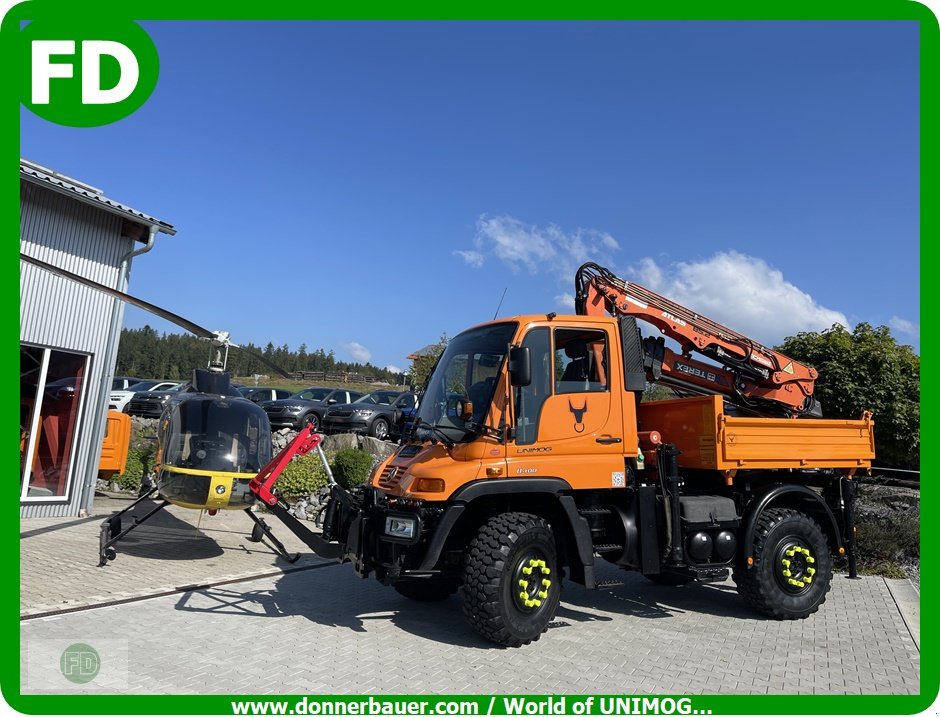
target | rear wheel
x=792, y=568
x=427, y=589
x=512, y=581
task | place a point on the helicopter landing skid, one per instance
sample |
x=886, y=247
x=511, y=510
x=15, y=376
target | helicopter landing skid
x=262, y=530
x=111, y=528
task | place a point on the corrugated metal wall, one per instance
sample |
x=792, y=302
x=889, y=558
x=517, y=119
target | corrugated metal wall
x=58, y=313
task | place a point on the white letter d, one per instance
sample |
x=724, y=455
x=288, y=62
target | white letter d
x=92, y=94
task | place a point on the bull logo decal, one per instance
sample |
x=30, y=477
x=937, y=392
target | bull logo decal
x=578, y=414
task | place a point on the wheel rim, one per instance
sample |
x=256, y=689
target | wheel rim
x=794, y=566
x=380, y=429
x=532, y=582
x=311, y=420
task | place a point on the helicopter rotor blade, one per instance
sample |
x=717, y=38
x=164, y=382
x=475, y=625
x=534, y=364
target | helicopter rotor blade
x=219, y=338
x=262, y=359
x=194, y=328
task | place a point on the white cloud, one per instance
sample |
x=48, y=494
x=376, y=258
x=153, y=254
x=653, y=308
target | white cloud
x=903, y=326
x=537, y=249
x=359, y=352
x=742, y=292
x=473, y=258
x=393, y=369
x=566, y=301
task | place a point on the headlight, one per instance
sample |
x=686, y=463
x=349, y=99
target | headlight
x=293, y=409
x=400, y=527
x=363, y=412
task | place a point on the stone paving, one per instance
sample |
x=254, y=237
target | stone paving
x=323, y=630
x=59, y=556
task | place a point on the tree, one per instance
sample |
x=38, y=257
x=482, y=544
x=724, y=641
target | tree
x=423, y=361
x=867, y=370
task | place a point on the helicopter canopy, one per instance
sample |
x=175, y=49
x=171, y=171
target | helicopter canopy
x=214, y=433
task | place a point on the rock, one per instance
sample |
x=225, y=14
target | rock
x=340, y=441
x=379, y=449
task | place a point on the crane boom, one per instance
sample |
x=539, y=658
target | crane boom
x=750, y=373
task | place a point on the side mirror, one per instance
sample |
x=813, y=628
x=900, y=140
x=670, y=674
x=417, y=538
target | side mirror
x=520, y=366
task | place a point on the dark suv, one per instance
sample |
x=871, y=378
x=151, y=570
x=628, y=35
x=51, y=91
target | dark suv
x=378, y=414
x=306, y=407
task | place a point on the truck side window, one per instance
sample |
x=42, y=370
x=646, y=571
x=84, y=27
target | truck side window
x=529, y=399
x=580, y=360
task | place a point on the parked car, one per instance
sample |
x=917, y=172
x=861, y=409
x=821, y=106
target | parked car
x=260, y=394
x=150, y=404
x=306, y=407
x=119, y=399
x=379, y=414
x=65, y=386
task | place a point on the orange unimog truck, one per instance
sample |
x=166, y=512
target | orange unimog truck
x=533, y=455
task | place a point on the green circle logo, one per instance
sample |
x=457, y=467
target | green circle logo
x=80, y=663
x=85, y=73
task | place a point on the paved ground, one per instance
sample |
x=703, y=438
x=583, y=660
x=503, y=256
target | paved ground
x=59, y=557
x=321, y=629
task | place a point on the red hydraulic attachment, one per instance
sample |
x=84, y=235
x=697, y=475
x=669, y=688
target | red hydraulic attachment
x=753, y=373
x=304, y=442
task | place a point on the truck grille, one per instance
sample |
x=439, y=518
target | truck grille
x=391, y=477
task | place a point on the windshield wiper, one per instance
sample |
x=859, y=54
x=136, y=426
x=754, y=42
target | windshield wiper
x=436, y=433
x=483, y=429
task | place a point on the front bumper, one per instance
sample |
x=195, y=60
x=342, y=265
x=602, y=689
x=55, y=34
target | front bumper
x=364, y=524
x=344, y=425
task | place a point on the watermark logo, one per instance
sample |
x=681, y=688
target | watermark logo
x=80, y=663
x=84, y=73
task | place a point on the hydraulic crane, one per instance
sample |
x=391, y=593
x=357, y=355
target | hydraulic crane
x=752, y=375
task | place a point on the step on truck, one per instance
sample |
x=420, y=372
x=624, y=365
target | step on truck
x=533, y=456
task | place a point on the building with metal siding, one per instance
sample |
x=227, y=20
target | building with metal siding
x=69, y=332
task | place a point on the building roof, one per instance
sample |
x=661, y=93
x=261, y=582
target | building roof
x=49, y=178
x=429, y=350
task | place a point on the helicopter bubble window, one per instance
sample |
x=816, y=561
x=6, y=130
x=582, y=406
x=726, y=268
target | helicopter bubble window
x=217, y=434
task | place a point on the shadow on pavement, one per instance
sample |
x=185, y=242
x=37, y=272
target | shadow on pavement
x=331, y=595
x=165, y=537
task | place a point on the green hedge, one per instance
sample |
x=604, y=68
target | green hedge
x=351, y=467
x=302, y=476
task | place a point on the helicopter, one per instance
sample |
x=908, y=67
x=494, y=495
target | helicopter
x=211, y=441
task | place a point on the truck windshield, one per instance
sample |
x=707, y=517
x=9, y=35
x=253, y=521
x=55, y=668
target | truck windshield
x=467, y=371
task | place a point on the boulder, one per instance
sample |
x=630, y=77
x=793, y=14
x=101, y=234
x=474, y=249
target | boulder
x=340, y=441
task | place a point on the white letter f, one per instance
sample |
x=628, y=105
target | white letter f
x=44, y=70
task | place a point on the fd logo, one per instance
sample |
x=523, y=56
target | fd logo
x=85, y=71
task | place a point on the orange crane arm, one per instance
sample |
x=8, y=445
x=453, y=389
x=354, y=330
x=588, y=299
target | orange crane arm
x=756, y=375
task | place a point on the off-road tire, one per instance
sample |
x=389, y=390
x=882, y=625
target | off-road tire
x=786, y=541
x=505, y=595
x=427, y=589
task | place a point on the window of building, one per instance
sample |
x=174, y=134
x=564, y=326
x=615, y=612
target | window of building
x=52, y=390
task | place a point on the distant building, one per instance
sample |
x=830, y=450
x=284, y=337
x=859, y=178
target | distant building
x=69, y=332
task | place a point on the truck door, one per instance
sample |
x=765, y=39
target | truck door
x=569, y=419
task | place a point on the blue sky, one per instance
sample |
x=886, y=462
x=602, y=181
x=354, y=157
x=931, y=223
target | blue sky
x=365, y=187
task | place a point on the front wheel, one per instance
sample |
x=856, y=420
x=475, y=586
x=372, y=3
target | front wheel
x=312, y=420
x=512, y=581
x=792, y=568
x=380, y=429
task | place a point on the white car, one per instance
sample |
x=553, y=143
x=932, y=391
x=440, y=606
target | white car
x=119, y=399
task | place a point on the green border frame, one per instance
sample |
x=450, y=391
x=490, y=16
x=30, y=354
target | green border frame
x=482, y=10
